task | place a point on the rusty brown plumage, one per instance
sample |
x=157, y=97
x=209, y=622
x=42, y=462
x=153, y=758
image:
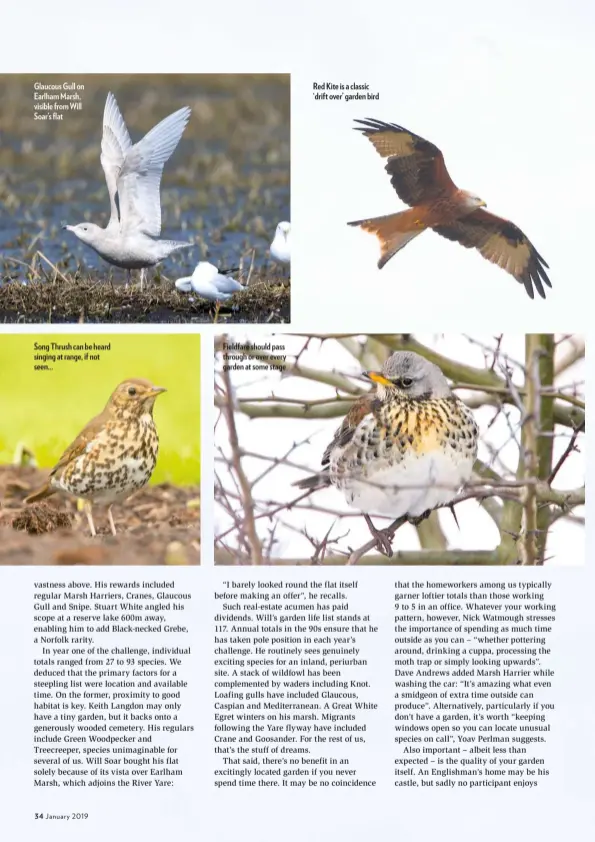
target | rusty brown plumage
x=420, y=178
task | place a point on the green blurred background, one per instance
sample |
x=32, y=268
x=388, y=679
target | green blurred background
x=46, y=410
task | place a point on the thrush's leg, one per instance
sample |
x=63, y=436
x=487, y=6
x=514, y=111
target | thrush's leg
x=111, y=521
x=90, y=520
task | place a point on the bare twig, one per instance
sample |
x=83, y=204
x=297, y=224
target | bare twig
x=569, y=449
x=236, y=462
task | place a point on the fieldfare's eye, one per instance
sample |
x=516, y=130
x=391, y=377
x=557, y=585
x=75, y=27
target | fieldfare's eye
x=406, y=382
x=131, y=391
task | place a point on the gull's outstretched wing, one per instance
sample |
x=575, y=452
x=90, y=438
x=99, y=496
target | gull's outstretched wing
x=115, y=143
x=138, y=184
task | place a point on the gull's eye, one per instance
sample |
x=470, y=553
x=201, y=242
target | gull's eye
x=406, y=382
x=131, y=391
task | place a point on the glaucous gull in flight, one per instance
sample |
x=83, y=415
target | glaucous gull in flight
x=133, y=175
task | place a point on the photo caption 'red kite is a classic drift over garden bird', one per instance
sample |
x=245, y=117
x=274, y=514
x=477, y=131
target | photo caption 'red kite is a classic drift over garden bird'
x=419, y=176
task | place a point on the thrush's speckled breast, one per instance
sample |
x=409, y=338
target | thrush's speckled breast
x=406, y=449
x=114, y=455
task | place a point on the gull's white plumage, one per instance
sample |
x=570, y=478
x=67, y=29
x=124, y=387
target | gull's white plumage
x=133, y=177
x=281, y=245
x=209, y=283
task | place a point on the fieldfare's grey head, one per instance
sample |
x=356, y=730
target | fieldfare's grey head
x=411, y=376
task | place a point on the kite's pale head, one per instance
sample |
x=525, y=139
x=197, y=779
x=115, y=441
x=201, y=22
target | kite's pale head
x=472, y=202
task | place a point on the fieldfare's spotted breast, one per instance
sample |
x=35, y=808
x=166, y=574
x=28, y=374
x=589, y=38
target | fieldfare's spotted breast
x=406, y=449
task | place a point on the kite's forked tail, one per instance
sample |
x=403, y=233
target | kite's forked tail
x=393, y=231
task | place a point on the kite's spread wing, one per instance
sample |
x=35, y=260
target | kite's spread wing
x=501, y=242
x=416, y=167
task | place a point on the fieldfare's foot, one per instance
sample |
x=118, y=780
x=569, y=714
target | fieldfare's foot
x=383, y=537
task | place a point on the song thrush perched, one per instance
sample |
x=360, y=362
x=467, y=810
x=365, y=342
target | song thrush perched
x=114, y=455
x=405, y=449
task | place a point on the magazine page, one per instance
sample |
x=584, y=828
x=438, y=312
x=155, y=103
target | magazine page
x=294, y=538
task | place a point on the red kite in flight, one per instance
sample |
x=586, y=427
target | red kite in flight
x=419, y=175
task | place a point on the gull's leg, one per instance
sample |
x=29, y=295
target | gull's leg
x=142, y=279
x=217, y=308
x=90, y=520
x=111, y=521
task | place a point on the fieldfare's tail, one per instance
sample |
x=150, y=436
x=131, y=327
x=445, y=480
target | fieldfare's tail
x=314, y=482
x=40, y=494
x=393, y=232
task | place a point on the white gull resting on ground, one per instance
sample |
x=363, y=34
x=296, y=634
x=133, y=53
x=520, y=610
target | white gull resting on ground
x=133, y=176
x=280, y=247
x=209, y=282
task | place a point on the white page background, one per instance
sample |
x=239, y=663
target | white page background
x=506, y=91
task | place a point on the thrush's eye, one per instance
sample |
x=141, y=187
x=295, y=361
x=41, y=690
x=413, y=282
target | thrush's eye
x=406, y=382
x=131, y=391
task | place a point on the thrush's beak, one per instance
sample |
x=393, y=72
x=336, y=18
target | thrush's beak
x=377, y=377
x=157, y=390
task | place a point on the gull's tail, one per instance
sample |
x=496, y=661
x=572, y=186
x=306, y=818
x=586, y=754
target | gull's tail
x=167, y=247
x=184, y=284
x=176, y=244
x=393, y=231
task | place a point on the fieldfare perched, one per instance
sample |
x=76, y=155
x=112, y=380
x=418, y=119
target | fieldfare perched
x=404, y=449
x=114, y=455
